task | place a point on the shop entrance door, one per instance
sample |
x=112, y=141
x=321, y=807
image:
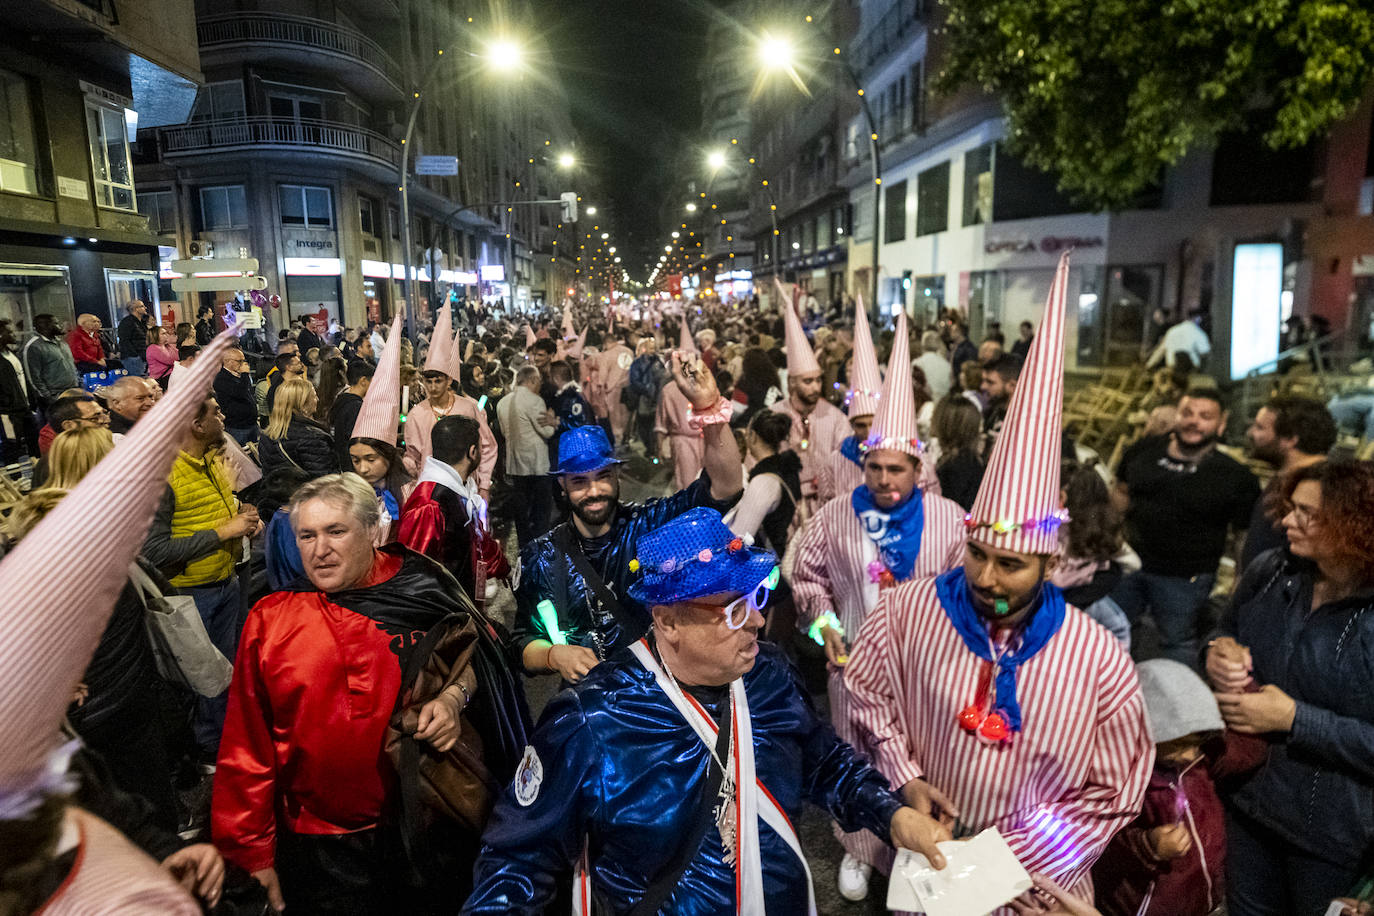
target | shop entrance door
x=123, y=286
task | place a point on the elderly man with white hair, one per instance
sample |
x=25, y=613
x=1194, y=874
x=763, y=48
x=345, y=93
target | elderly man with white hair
x=128, y=398
x=302, y=782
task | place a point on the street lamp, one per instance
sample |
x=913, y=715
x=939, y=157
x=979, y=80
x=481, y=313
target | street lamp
x=567, y=161
x=716, y=160
x=776, y=53
x=591, y=211
x=505, y=55
x=691, y=208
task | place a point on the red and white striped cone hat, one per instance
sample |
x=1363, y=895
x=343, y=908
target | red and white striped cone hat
x=800, y=359
x=455, y=356
x=866, y=384
x=576, y=348
x=569, y=331
x=685, y=342
x=62, y=581
x=894, y=425
x=529, y=337
x=440, y=342
x=381, y=411
x=1017, y=507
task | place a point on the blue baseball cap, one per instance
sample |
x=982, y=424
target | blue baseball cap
x=695, y=555
x=584, y=449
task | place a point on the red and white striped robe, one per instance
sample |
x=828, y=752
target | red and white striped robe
x=831, y=574
x=111, y=875
x=822, y=431
x=1074, y=775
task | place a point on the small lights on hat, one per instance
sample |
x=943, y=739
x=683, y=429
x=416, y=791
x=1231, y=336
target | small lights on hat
x=1048, y=524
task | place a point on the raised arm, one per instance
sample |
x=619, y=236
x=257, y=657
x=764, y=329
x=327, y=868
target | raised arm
x=721, y=458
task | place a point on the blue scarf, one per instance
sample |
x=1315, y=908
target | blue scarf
x=952, y=589
x=895, y=531
x=850, y=449
x=389, y=500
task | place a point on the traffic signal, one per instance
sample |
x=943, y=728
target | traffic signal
x=569, y=199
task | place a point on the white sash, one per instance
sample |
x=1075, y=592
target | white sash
x=753, y=801
x=436, y=471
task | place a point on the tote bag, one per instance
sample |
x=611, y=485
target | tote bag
x=182, y=648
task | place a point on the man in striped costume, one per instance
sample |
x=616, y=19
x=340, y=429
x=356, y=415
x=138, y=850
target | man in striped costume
x=844, y=468
x=885, y=531
x=985, y=698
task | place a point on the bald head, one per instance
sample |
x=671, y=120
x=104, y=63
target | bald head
x=129, y=397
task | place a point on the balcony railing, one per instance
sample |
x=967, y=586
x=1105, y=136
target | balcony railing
x=310, y=34
x=291, y=133
x=890, y=32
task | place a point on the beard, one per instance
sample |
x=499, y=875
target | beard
x=810, y=400
x=1195, y=448
x=597, y=510
x=1268, y=453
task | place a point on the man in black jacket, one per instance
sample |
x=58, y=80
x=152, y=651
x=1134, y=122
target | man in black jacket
x=344, y=413
x=133, y=338
x=234, y=391
x=17, y=434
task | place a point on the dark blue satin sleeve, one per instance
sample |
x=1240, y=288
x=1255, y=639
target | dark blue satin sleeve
x=525, y=846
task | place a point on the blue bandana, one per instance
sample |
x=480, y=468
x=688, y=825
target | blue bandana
x=388, y=499
x=850, y=449
x=952, y=589
x=895, y=531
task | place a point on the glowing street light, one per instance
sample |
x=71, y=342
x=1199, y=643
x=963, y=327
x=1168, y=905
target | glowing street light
x=776, y=53
x=591, y=211
x=716, y=159
x=605, y=235
x=505, y=55
x=567, y=161
x=691, y=208
x=676, y=234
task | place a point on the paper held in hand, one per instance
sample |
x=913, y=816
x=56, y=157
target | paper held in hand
x=981, y=875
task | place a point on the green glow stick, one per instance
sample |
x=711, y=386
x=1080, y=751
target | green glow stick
x=549, y=617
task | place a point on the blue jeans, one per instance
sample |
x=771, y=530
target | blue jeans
x=1174, y=602
x=221, y=609
x=135, y=365
x=243, y=434
x=1354, y=412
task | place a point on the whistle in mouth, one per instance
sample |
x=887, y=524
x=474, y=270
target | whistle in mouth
x=1001, y=608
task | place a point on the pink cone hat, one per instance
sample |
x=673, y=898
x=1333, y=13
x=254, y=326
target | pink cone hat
x=568, y=329
x=685, y=342
x=894, y=425
x=61, y=583
x=866, y=384
x=529, y=337
x=782, y=292
x=1017, y=507
x=800, y=359
x=440, y=342
x=577, y=346
x=381, y=411
x=455, y=356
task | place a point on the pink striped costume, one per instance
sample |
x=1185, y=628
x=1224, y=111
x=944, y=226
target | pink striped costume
x=814, y=438
x=1059, y=790
x=689, y=445
x=831, y=574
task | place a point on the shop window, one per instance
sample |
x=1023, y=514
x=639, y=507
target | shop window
x=18, y=136
x=304, y=205
x=932, y=200
x=894, y=213
x=161, y=209
x=27, y=290
x=1133, y=292
x=110, y=163
x=978, y=185
x=223, y=207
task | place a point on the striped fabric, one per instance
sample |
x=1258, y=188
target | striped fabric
x=866, y=384
x=685, y=342
x=800, y=360
x=814, y=438
x=455, y=356
x=579, y=346
x=894, y=425
x=111, y=875
x=1022, y=479
x=61, y=583
x=831, y=574
x=381, y=411
x=440, y=342
x=1059, y=790
x=529, y=337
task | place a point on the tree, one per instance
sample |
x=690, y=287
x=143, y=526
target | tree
x=1106, y=93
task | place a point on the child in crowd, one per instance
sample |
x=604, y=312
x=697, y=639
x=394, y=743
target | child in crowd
x=1170, y=861
x=1093, y=554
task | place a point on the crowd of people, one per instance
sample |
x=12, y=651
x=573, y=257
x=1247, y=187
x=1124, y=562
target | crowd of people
x=273, y=601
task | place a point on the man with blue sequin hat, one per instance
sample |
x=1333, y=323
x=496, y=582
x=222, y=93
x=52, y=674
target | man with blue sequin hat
x=650, y=777
x=573, y=605
x=980, y=692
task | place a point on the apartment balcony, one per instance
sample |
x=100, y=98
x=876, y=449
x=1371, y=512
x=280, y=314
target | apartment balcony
x=894, y=29
x=302, y=43
x=375, y=153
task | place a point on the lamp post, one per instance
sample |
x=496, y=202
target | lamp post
x=778, y=53
x=716, y=160
x=502, y=55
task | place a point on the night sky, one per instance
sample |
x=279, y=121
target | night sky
x=630, y=68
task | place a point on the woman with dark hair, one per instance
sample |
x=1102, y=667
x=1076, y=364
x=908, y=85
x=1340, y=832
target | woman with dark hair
x=765, y=511
x=1092, y=552
x=1294, y=664
x=333, y=381
x=380, y=464
x=758, y=388
x=957, y=427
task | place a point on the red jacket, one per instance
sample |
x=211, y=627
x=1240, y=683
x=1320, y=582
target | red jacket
x=1130, y=881
x=86, y=347
x=435, y=522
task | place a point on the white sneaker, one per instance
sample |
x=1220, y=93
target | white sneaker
x=853, y=878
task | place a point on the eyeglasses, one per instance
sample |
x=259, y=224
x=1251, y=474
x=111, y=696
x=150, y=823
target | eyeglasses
x=1302, y=515
x=737, y=612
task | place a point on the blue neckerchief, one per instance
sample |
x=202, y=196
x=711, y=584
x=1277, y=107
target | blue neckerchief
x=850, y=449
x=389, y=500
x=896, y=532
x=952, y=589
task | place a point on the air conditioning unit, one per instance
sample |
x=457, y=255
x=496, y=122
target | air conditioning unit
x=199, y=248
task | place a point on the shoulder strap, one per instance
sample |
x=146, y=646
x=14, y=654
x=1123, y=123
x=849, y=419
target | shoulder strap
x=564, y=540
x=667, y=880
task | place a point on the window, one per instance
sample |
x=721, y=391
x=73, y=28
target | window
x=161, y=209
x=932, y=200
x=894, y=212
x=223, y=207
x=978, y=185
x=367, y=216
x=394, y=216
x=110, y=163
x=219, y=100
x=918, y=96
x=18, y=139
x=303, y=205
x=1020, y=191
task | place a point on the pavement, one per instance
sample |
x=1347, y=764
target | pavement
x=641, y=479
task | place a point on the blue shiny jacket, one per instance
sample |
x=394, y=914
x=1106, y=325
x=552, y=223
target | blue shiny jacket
x=623, y=771
x=587, y=624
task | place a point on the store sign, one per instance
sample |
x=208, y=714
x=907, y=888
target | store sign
x=313, y=267
x=375, y=269
x=1256, y=306
x=436, y=165
x=493, y=273
x=1050, y=244
x=75, y=188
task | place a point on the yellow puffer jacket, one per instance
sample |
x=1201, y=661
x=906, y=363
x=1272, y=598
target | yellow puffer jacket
x=204, y=499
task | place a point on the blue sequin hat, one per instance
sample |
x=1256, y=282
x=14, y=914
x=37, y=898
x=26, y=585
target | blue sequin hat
x=695, y=555
x=584, y=449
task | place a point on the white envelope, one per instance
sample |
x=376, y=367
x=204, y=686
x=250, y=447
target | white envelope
x=980, y=875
